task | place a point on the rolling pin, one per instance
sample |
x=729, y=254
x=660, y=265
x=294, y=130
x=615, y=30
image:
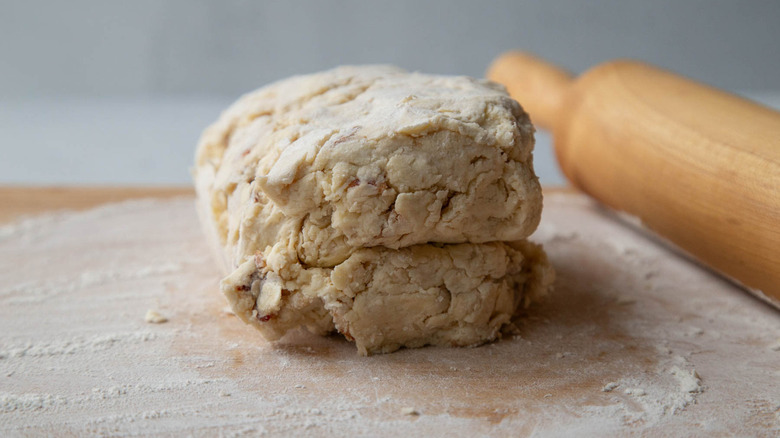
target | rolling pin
x=698, y=166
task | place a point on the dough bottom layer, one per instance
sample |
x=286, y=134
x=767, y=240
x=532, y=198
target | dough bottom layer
x=384, y=299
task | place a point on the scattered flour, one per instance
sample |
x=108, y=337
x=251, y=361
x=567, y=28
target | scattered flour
x=667, y=390
x=29, y=402
x=694, y=331
x=37, y=291
x=78, y=359
x=74, y=345
x=689, y=380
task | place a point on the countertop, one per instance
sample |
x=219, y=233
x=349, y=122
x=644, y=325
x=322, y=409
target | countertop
x=633, y=340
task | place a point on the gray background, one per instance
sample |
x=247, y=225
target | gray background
x=117, y=92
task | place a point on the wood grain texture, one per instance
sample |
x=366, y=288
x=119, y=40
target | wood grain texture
x=25, y=200
x=539, y=86
x=699, y=166
x=613, y=351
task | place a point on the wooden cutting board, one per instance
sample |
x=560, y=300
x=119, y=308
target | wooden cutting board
x=634, y=339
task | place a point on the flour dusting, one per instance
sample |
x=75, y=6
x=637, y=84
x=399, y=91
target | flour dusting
x=29, y=402
x=615, y=350
x=74, y=345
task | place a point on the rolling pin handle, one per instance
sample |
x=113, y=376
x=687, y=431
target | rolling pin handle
x=538, y=85
x=697, y=165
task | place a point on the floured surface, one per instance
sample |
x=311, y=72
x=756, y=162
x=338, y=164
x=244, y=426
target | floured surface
x=632, y=338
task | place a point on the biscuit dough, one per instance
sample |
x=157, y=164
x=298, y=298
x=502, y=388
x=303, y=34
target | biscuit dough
x=387, y=205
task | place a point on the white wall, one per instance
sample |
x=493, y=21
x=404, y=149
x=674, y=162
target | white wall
x=117, y=92
x=107, y=47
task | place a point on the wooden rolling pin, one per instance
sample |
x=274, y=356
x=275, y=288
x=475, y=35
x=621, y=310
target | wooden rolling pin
x=699, y=166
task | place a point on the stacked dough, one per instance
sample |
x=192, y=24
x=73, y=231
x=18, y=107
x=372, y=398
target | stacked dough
x=387, y=205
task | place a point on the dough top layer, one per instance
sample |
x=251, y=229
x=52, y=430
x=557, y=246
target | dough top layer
x=369, y=156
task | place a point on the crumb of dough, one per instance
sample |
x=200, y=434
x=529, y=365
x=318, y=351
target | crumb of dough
x=409, y=411
x=609, y=387
x=154, y=317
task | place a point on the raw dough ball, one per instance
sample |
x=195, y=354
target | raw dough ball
x=343, y=198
